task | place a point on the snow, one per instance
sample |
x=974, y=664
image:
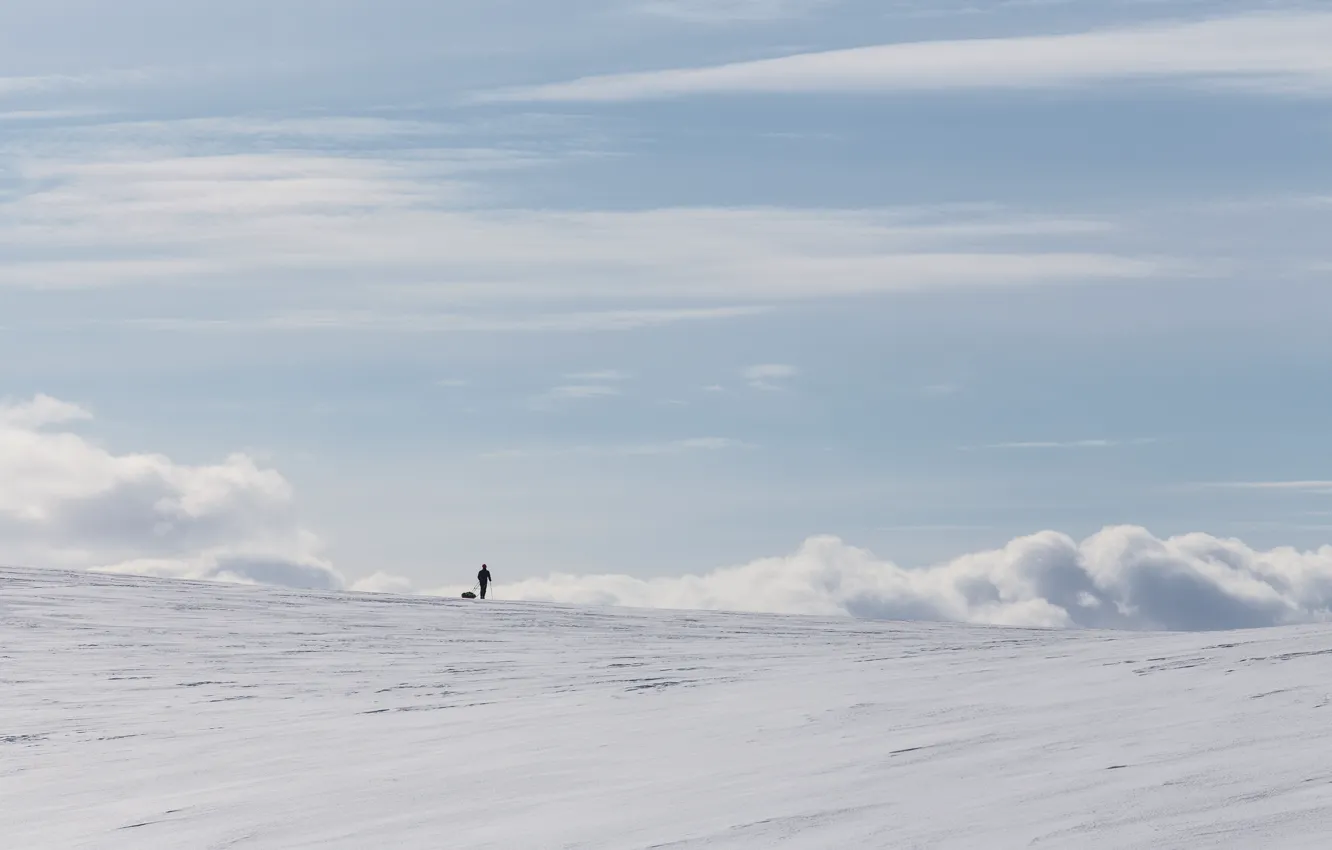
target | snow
x=145, y=713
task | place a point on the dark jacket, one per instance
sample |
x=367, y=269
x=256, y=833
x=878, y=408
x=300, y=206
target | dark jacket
x=483, y=576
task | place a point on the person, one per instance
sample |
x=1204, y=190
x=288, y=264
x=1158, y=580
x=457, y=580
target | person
x=483, y=578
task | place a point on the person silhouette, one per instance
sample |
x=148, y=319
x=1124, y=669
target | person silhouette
x=483, y=578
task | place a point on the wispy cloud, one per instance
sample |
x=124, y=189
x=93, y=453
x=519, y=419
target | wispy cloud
x=936, y=527
x=580, y=391
x=1279, y=486
x=68, y=82
x=408, y=226
x=728, y=11
x=769, y=376
x=598, y=375
x=670, y=447
x=588, y=389
x=941, y=390
x=39, y=412
x=426, y=323
x=1275, y=52
x=34, y=115
x=1070, y=444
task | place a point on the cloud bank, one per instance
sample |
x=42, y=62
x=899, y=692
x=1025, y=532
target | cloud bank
x=1275, y=52
x=68, y=502
x=1120, y=578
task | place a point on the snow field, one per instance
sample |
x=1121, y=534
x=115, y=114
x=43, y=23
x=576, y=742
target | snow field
x=140, y=713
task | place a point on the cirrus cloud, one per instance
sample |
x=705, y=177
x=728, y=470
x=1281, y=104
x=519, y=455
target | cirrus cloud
x=1276, y=52
x=401, y=240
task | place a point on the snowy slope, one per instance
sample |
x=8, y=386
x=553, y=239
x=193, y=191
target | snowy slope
x=147, y=714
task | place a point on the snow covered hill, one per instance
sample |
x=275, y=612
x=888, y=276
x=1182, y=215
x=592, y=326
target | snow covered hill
x=140, y=713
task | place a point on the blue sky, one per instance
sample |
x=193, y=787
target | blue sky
x=655, y=287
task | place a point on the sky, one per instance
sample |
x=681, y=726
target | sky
x=650, y=288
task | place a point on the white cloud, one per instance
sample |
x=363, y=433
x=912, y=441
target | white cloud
x=67, y=502
x=67, y=82
x=1073, y=444
x=591, y=385
x=577, y=391
x=41, y=411
x=371, y=321
x=694, y=444
x=600, y=375
x=941, y=390
x=1275, y=52
x=569, y=393
x=766, y=371
x=1292, y=486
x=396, y=242
x=382, y=583
x=323, y=127
x=670, y=447
x=15, y=115
x=1122, y=577
x=769, y=376
x=728, y=11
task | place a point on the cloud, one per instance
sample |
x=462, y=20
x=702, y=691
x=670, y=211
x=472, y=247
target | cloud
x=590, y=385
x=941, y=390
x=769, y=371
x=1280, y=52
x=370, y=321
x=670, y=447
x=47, y=114
x=694, y=444
x=581, y=391
x=1122, y=577
x=74, y=82
x=1278, y=486
x=1073, y=444
x=769, y=376
x=382, y=583
x=43, y=410
x=571, y=393
x=728, y=11
x=396, y=241
x=236, y=568
x=68, y=502
x=600, y=375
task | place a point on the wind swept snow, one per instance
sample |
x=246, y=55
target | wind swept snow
x=148, y=713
